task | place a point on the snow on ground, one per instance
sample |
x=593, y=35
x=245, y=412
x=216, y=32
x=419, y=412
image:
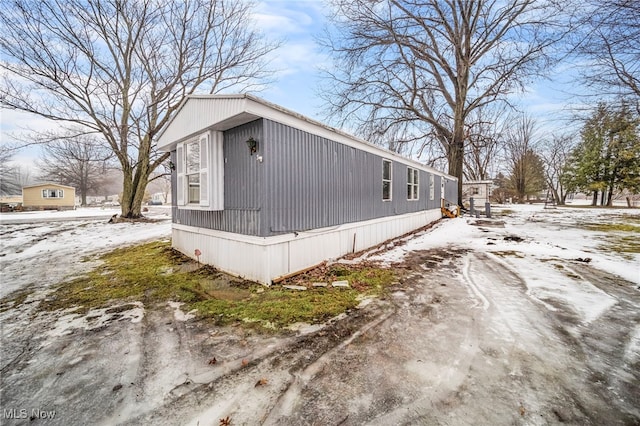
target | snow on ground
x=540, y=245
x=36, y=247
x=465, y=336
x=82, y=212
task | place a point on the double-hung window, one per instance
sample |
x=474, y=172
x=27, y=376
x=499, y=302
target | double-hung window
x=52, y=193
x=192, y=171
x=412, y=183
x=386, y=180
x=200, y=172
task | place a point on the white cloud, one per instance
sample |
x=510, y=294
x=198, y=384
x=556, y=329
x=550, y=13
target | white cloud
x=283, y=18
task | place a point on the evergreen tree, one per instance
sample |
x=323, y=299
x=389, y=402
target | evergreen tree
x=606, y=160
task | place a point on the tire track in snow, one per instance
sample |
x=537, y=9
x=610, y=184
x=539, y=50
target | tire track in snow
x=472, y=285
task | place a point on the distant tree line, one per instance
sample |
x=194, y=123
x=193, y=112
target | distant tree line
x=422, y=77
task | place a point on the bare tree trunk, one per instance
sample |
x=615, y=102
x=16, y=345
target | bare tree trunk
x=456, y=159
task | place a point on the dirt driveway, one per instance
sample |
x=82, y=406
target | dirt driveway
x=461, y=340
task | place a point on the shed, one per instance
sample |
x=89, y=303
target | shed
x=479, y=190
x=263, y=192
x=48, y=196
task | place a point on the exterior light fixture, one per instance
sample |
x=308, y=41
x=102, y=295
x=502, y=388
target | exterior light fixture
x=252, y=144
x=172, y=166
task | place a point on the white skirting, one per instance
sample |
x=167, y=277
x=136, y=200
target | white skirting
x=265, y=259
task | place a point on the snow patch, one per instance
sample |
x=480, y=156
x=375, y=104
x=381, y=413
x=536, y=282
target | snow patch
x=95, y=318
x=546, y=283
x=179, y=315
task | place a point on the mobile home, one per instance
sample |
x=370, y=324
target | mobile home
x=263, y=192
x=48, y=196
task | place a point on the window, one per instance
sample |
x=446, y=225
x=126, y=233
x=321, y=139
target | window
x=52, y=193
x=200, y=172
x=412, y=183
x=432, y=187
x=192, y=171
x=386, y=180
x=475, y=190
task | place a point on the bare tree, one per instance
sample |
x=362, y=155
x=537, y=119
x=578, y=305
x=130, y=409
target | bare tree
x=9, y=181
x=432, y=62
x=610, y=40
x=485, y=139
x=526, y=170
x=78, y=161
x=555, y=153
x=121, y=68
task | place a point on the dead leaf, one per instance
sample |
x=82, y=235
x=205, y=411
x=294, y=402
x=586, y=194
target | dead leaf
x=226, y=421
x=213, y=361
x=261, y=382
x=522, y=410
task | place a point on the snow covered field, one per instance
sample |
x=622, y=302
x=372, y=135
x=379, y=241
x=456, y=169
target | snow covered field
x=541, y=246
x=531, y=317
x=38, y=249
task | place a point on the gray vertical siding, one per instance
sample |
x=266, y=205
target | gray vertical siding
x=242, y=187
x=304, y=182
x=312, y=182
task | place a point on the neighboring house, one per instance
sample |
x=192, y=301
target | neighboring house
x=479, y=190
x=262, y=192
x=48, y=196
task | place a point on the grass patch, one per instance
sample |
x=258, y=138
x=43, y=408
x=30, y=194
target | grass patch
x=569, y=205
x=508, y=253
x=138, y=273
x=613, y=227
x=279, y=307
x=618, y=239
x=626, y=246
x=154, y=273
x=14, y=300
x=503, y=212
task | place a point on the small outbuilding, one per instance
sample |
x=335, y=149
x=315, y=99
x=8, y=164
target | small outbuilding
x=263, y=192
x=48, y=196
x=479, y=190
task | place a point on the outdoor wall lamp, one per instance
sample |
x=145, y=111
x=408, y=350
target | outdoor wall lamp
x=252, y=144
x=172, y=166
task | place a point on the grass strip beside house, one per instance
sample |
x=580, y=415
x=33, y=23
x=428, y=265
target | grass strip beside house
x=153, y=273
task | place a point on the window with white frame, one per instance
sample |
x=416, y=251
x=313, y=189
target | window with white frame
x=200, y=172
x=386, y=180
x=432, y=187
x=475, y=190
x=412, y=183
x=192, y=171
x=52, y=193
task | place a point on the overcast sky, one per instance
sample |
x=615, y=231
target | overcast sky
x=298, y=23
